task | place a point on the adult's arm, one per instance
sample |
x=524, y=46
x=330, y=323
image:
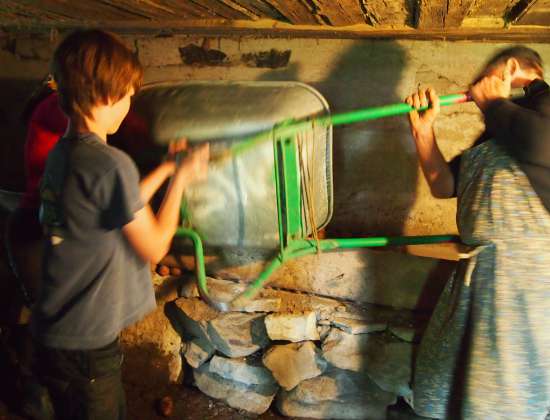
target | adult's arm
x=525, y=132
x=436, y=169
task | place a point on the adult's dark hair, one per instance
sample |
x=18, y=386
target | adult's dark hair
x=92, y=67
x=41, y=92
x=527, y=58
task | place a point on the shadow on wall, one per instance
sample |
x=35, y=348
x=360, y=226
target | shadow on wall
x=375, y=172
x=374, y=175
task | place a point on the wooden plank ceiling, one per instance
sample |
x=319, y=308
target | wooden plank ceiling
x=416, y=18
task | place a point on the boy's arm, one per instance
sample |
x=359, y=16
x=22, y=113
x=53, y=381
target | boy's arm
x=434, y=166
x=149, y=185
x=151, y=235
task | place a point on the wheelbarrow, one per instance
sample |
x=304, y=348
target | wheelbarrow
x=270, y=183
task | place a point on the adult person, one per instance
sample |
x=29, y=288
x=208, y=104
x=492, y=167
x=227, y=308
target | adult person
x=45, y=123
x=486, y=351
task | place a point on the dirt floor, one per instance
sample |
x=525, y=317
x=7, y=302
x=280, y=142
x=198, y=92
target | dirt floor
x=189, y=403
x=142, y=395
x=144, y=391
x=145, y=384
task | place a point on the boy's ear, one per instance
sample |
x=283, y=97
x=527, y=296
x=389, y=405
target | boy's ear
x=511, y=68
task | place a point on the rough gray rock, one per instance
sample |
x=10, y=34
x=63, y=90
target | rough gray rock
x=252, y=398
x=293, y=327
x=292, y=363
x=357, y=326
x=262, y=304
x=188, y=287
x=337, y=394
x=323, y=331
x=390, y=365
x=346, y=351
x=226, y=291
x=238, y=334
x=269, y=300
x=192, y=316
x=197, y=351
x=330, y=410
x=387, y=361
x=241, y=370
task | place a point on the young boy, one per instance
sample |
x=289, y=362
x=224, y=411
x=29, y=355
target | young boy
x=101, y=235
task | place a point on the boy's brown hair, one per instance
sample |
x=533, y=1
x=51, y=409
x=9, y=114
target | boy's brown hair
x=92, y=67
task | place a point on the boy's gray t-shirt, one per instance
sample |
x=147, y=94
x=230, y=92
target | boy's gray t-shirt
x=94, y=283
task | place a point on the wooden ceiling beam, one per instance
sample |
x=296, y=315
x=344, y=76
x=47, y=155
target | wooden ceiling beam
x=533, y=13
x=492, y=8
x=278, y=29
x=438, y=14
x=76, y=10
x=242, y=9
x=457, y=10
x=184, y=8
x=394, y=13
x=340, y=13
x=257, y=9
x=295, y=11
x=519, y=10
x=146, y=10
x=220, y=8
x=13, y=12
x=431, y=14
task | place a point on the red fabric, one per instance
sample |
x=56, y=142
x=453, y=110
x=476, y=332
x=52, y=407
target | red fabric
x=46, y=125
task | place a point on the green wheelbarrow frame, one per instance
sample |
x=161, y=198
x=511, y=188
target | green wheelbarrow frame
x=289, y=202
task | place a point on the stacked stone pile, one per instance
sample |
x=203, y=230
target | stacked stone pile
x=312, y=356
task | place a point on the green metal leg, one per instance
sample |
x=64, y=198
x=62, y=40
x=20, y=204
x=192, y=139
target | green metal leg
x=300, y=248
x=200, y=269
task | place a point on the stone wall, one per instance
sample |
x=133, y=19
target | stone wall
x=309, y=356
x=378, y=186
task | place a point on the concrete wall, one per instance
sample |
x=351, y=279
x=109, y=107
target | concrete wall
x=379, y=188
